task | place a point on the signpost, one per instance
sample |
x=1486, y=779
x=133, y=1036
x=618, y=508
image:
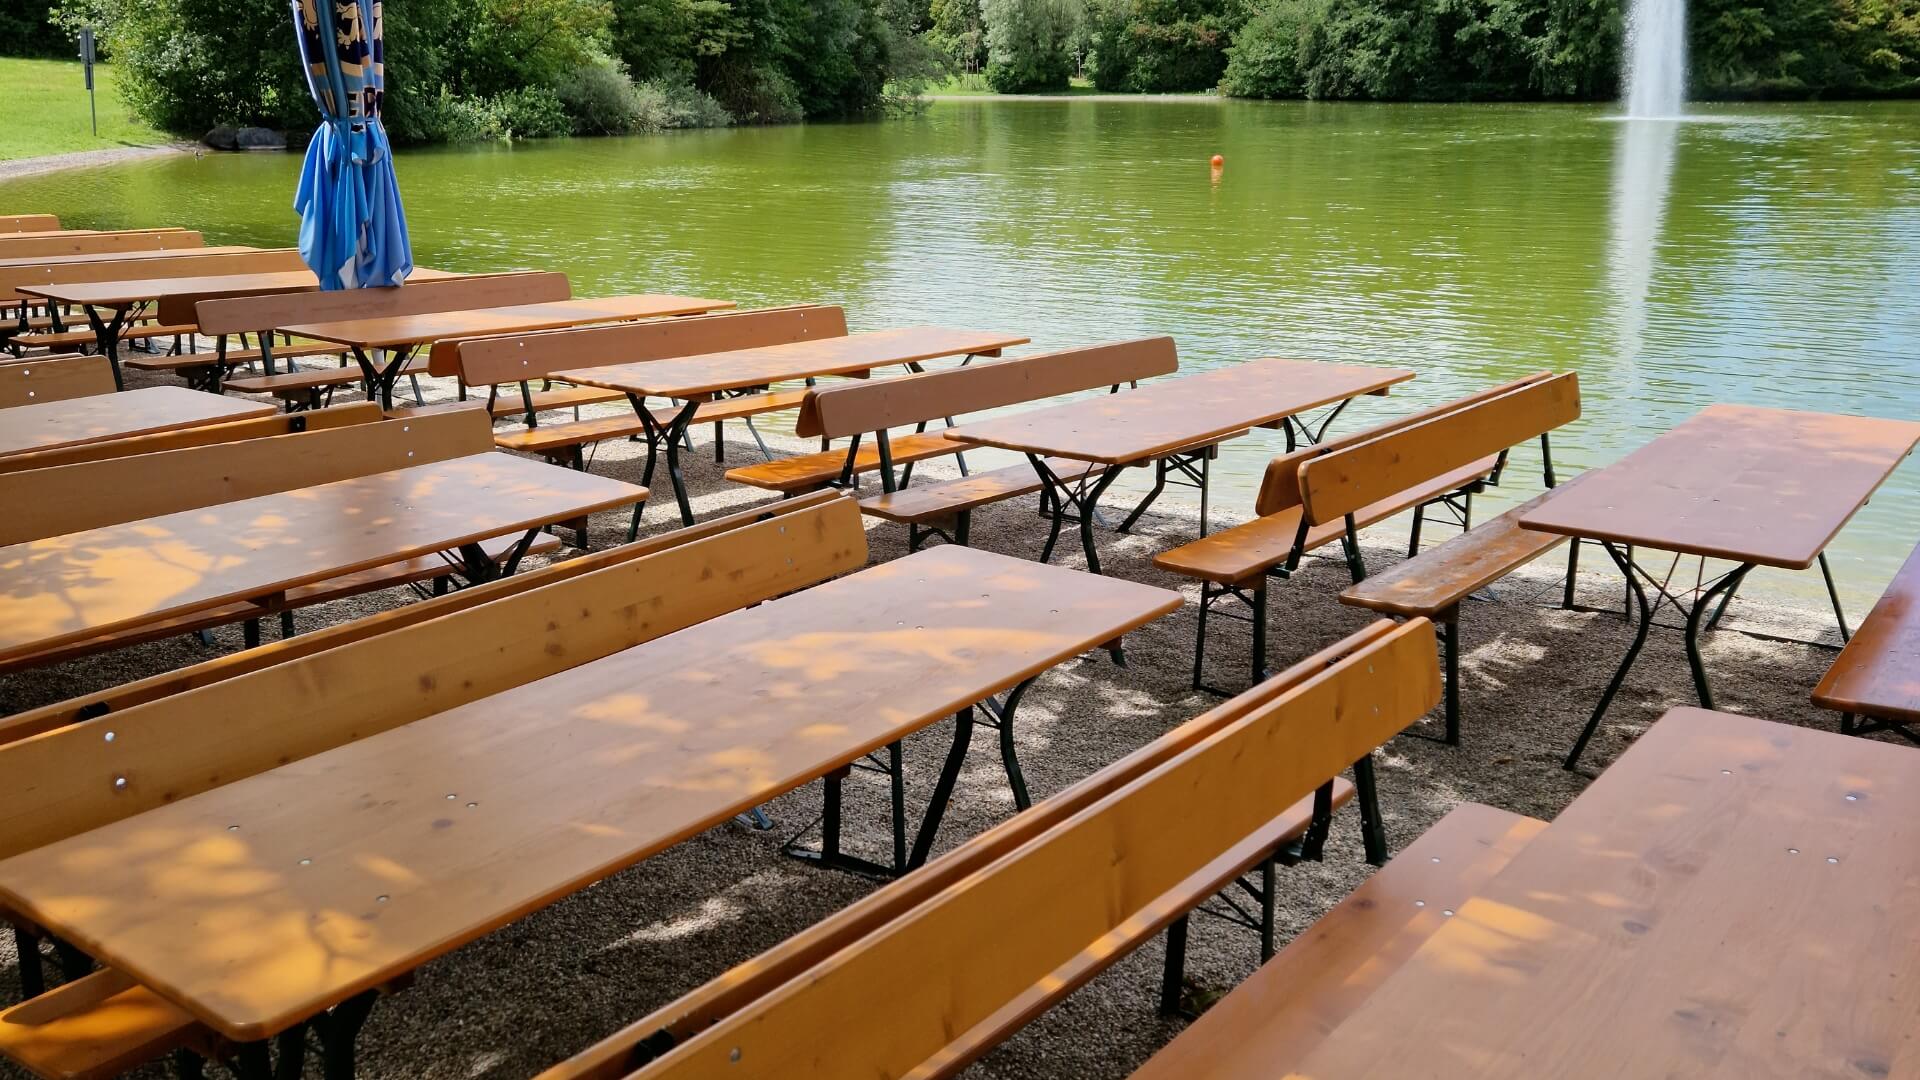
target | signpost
x=86, y=61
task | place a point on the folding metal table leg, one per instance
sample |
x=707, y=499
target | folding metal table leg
x=943, y=788
x=1625, y=562
x=670, y=435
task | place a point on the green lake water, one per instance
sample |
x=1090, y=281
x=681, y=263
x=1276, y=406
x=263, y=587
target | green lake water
x=1768, y=255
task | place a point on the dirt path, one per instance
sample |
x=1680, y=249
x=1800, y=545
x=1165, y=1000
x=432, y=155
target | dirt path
x=34, y=166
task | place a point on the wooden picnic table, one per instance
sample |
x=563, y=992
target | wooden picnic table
x=401, y=335
x=1732, y=898
x=1754, y=486
x=117, y=256
x=693, y=379
x=99, y=417
x=77, y=586
x=1181, y=418
x=261, y=903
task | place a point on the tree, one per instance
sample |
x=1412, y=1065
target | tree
x=1161, y=46
x=960, y=31
x=1028, y=43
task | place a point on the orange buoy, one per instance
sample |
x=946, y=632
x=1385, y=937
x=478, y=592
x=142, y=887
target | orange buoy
x=1218, y=161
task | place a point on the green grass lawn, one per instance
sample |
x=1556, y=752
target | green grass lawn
x=46, y=108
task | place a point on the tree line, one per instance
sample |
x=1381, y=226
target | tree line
x=461, y=70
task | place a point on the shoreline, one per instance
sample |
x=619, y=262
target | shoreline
x=19, y=168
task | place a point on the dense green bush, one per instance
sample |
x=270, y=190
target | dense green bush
x=1160, y=46
x=27, y=28
x=1029, y=43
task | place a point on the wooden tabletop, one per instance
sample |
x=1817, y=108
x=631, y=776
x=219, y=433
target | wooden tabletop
x=141, y=290
x=689, y=376
x=116, y=256
x=432, y=834
x=1167, y=414
x=1756, y=485
x=399, y=330
x=72, y=587
x=1732, y=898
x=98, y=417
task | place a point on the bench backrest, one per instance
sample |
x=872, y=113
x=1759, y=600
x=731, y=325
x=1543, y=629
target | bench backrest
x=75, y=778
x=219, y=669
x=54, y=378
x=26, y=247
x=14, y=223
x=89, y=495
x=188, y=264
x=1335, y=484
x=840, y=411
x=251, y=314
x=508, y=358
x=1280, y=486
x=638, y=1043
x=233, y=431
x=950, y=977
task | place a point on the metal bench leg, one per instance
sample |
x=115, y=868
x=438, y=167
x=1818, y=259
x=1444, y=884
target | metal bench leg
x=1413, y=540
x=1373, y=833
x=339, y=1029
x=33, y=976
x=1174, y=974
x=286, y=624
x=897, y=789
x=1269, y=873
x=1259, y=632
x=1846, y=728
x=1207, y=596
x=1450, y=651
x=1573, y=571
x=250, y=633
x=1001, y=716
x=1312, y=844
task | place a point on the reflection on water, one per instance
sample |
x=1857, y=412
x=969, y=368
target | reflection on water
x=1774, y=260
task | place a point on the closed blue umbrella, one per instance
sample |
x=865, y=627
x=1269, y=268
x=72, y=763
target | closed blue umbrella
x=353, y=232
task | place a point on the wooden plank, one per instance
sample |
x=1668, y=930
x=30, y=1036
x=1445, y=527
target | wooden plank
x=1280, y=485
x=1194, y=409
x=90, y=495
x=612, y=1057
x=98, y=243
x=840, y=411
x=1284, y=1009
x=1079, y=889
x=24, y=223
x=484, y=361
x=100, y=1025
x=48, y=281
x=54, y=378
x=1440, y=577
x=83, y=584
x=1878, y=673
x=55, y=424
x=1713, y=906
x=231, y=431
x=401, y=330
x=1765, y=486
x=696, y=376
x=219, y=669
x=570, y=778
x=251, y=314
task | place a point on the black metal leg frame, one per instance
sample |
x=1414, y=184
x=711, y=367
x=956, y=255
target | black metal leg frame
x=106, y=335
x=284, y=1057
x=380, y=379
x=671, y=435
x=1193, y=466
x=1079, y=499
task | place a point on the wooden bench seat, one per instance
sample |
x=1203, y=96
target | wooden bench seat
x=507, y=403
x=806, y=472
x=424, y=568
x=1313, y=496
x=97, y=1026
x=1877, y=675
x=566, y=439
x=313, y=385
x=235, y=357
x=1283, y=1011
x=923, y=505
x=62, y=339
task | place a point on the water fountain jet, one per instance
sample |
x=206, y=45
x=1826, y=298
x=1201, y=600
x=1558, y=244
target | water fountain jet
x=1656, y=61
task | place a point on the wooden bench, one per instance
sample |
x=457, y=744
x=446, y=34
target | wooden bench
x=97, y=243
x=1325, y=493
x=228, y=432
x=236, y=316
x=1877, y=674
x=865, y=413
x=517, y=361
x=25, y=223
x=356, y=690
x=53, y=378
x=1326, y=974
x=944, y=964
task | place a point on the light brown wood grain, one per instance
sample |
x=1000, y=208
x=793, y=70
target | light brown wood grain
x=54, y=378
x=13, y=248
x=697, y=376
x=83, y=584
x=1347, y=478
x=229, y=431
x=120, y=698
x=747, y=982
x=72, y=498
x=1437, y=578
x=1759, y=485
x=1078, y=889
x=25, y=223
x=511, y=358
x=54, y=424
x=97, y=1026
x=1173, y=413
x=249, y=314
x=397, y=330
x=50, y=282
x=1878, y=673
x=571, y=777
x=1713, y=906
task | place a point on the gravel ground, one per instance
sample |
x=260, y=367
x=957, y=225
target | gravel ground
x=550, y=984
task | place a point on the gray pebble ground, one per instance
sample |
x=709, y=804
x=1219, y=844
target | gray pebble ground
x=549, y=985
